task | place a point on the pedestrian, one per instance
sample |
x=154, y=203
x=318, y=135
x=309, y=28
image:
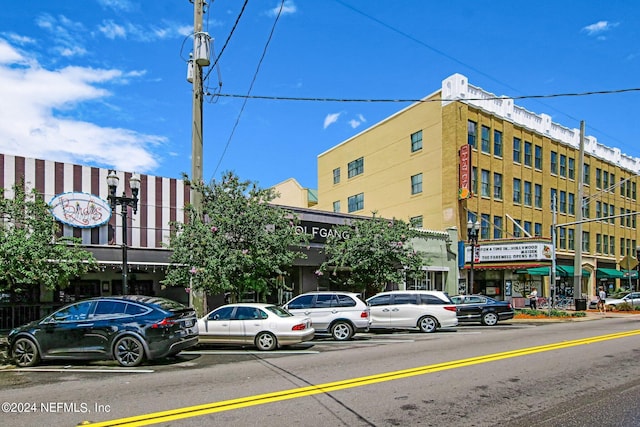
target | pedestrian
x=533, y=299
x=602, y=296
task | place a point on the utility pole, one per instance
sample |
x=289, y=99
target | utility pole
x=197, y=299
x=577, y=262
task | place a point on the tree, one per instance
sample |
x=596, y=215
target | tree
x=375, y=253
x=31, y=253
x=237, y=243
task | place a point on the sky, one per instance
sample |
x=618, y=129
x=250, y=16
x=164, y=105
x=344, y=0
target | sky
x=103, y=82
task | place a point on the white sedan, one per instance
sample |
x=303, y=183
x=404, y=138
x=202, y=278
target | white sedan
x=266, y=326
x=633, y=299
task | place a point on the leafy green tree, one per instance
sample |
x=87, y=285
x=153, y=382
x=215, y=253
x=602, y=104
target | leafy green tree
x=375, y=253
x=31, y=253
x=237, y=243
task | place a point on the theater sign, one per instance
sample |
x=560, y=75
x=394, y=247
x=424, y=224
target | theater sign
x=81, y=210
x=509, y=252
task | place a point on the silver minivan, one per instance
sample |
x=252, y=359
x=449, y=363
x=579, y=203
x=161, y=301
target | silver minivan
x=341, y=314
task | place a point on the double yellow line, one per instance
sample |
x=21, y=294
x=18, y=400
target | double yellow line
x=227, y=405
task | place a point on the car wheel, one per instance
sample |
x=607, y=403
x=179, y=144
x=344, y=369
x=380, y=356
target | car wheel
x=25, y=353
x=129, y=351
x=427, y=324
x=265, y=341
x=489, y=318
x=341, y=331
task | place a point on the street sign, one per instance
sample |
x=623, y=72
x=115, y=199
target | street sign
x=628, y=263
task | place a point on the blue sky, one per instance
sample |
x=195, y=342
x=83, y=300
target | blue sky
x=103, y=82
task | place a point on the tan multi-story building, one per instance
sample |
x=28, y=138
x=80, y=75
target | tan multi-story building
x=463, y=154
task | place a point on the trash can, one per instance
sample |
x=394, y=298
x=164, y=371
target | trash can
x=581, y=304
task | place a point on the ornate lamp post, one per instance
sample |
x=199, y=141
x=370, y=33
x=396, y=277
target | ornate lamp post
x=125, y=202
x=473, y=231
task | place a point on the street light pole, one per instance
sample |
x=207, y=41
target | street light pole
x=125, y=202
x=473, y=230
x=638, y=268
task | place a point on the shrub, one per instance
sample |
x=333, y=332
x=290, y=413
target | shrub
x=625, y=306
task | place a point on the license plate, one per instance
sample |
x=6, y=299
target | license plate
x=188, y=323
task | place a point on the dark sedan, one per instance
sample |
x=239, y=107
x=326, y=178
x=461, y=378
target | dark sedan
x=482, y=309
x=128, y=329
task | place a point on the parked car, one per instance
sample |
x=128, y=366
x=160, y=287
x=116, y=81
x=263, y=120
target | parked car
x=423, y=310
x=341, y=314
x=128, y=329
x=266, y=326
x=632, y=298
x=482, y=309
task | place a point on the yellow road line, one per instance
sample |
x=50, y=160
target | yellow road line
x=227, y=405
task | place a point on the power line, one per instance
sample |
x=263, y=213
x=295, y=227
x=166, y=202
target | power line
x=247, y=97
x=388, y=100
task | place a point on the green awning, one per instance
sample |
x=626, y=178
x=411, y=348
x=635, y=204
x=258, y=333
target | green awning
x=561, y=271
x=609, y=273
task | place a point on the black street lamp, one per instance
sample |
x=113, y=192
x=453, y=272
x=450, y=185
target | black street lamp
x=125, y=202
x=473, y=231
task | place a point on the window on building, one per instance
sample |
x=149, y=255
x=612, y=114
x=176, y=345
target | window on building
x=416, y=221
x=527, y=153
x=598, y=178
x=586, y=244
x=527, y=228
x=355, y=167
x=612, y=246
x=497, y=227
x=484, y=226
x=572, y=204
x=628, y=218
x=585, y=208
x=485, y=140
x=527, y=193
x=474, y=180
x=586, y=174
x=497, y=143
x=572, y=168
x=622, y=246
x=416, y=141
x=612, y=210
x=538, y=159
x=612, y=180
x=517, y=150
x=517, y=232
x=497, y=186
x=599, y=209
x=623, y=185
x=621, y=217
x=472, y=133
x=554, y=162
x=554, y=198
x=563, y=201
x=336, y=176
x=485, y=185
x=571, y=241
x=605, y=244
x=517, y=195
x=633, y=190
x=598, y=243
x=563, y=165
x=605, y=180
x=537, y=229
x=537, y=196
x=356, y=203
x=562, y=237
x=416, y=184
x=336, y=206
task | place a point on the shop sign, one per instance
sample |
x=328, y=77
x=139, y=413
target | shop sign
x=464, y=178
x=81, y=210
x=319, y=232
x=522, y=251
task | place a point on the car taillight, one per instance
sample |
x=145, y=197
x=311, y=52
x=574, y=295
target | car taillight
x=450, y=307
x=166, y=322
x=509, y=306
x=364, y=314
x=299, y=327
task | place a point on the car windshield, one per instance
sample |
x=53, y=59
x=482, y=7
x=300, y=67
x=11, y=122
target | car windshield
x=278, y=311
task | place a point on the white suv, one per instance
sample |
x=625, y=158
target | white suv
x=341, y=314
x=423, y=310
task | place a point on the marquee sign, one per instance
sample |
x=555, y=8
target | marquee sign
x=464, y=171
x=523, y=251
x=81, y=210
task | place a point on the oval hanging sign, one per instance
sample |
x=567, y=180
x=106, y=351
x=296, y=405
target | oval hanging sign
x=81, y=210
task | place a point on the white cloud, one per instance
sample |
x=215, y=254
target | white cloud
x=31, y=124
x=599, y=27
x=288, y=8
x=66, y=35
x=331, y=119
x=124, y=5
x=128, y=30
x=354, y=123
x=111, y=30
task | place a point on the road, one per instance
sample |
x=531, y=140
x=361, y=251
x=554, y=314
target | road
x=555, y=374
